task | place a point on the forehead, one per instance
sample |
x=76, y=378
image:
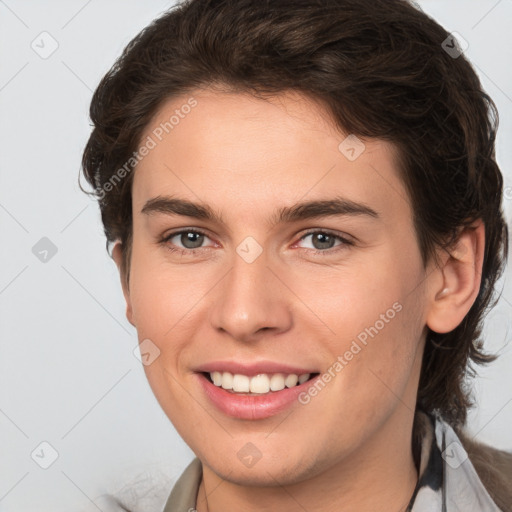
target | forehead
x=236, y=151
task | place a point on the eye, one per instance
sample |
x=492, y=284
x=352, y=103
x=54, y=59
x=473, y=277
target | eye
x=186, y=241
x=323, y=241
x=189, y=239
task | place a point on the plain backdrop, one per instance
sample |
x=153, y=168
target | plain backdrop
x=69, y=378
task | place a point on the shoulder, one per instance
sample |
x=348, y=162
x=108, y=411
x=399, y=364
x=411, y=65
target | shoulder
x=494, y=468
x=454, y=468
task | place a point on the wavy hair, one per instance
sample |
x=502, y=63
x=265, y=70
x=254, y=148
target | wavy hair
x=381, y=69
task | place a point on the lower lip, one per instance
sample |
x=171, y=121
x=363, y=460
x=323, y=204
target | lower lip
x=252, y=407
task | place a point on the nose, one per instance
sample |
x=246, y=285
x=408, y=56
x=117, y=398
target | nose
x=251, y=301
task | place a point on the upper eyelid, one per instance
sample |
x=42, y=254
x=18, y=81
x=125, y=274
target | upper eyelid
x=172, y=234
x=326, y=231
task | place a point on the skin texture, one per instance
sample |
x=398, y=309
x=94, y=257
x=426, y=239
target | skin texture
x=349, y=448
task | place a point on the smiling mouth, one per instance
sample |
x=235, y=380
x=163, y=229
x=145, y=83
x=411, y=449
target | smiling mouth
x=260, y=384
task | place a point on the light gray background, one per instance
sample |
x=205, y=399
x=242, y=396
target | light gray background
x=68, y=373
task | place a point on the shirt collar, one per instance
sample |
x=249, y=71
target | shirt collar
x=448, y=481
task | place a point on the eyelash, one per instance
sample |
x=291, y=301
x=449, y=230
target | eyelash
x=190, y=252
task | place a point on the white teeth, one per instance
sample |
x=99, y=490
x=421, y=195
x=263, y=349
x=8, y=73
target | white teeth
x=277, y=382
x=216, y=377
x=261, y=383
x=240, y=383
x=303, y=378
x=227, y=380
x=291, y=380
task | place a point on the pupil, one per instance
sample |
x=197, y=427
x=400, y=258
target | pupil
x=188, y=238
x=323, y=239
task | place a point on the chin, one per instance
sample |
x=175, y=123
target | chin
x=275, y=471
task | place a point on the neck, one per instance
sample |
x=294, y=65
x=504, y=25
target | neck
x=381, y=475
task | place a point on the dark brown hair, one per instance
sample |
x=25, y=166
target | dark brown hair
x=382, y=70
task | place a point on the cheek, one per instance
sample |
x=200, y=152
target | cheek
x=374, y=316
x=162, y=304
x=162, y=297
x=158, y=305
x=345, y=301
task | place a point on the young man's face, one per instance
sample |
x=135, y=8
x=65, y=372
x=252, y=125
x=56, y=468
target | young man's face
x=253, y=290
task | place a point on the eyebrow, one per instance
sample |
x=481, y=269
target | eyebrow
x=301, y=211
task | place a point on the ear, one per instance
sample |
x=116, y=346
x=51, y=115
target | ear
x=117, y=256
x=456, y=282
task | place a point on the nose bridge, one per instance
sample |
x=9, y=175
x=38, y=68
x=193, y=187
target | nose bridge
x=249, y=298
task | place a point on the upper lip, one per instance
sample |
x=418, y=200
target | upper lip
x=253, y=368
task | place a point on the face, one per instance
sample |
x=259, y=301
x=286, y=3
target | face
x=333, y=290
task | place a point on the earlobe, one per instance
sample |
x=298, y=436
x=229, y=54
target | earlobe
x=458, y=280
x=117, y=256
